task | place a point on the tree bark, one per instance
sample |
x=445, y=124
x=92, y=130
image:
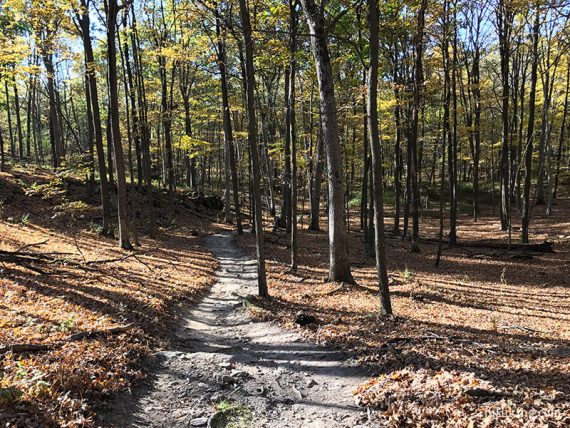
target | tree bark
x=85, y=26
x=338, y=240
x=123, y=213
x=252, y=141
x=227, y=119
x=376, y=151
x=530, y=130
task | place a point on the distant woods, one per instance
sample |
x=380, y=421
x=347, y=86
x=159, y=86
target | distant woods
x=285, y=107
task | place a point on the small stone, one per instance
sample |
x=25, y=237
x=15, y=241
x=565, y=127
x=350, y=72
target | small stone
x=217, y=397
x=311, y=383
x=239, y=374
x=199, y=422
x=225, y=379
x=202, y=385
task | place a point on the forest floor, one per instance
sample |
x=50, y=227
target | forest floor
x=484, y=339
x=93, y=287
x=481, y=340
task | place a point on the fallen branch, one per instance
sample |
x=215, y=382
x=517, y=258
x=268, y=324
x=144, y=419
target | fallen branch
x=543, y=247
x=117, y=259
x=17, y=348
x=37, y=244
x=99, y=333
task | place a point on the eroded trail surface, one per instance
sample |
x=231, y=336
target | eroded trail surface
x=262, y=375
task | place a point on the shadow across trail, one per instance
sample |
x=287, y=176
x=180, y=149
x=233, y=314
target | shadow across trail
x=275, y=377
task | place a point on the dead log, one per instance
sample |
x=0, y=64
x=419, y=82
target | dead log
x=542, y=247
x=17, y=348
x=91, y=334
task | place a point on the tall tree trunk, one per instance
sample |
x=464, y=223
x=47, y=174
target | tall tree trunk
x=9, y=115
x=56, y=137
x=84, y=23
x=562, y=131
x=252, y=141
x=146, y=160
x=18, y=119
x=29, y=113
x=418, y=79
x=2, y=154
x=504, y=26
x=315, y=223
x=292, y=131
x=397, y=149
x=452, y=151
x=376, y=151
x=530, y=129
x=167, y=128
x=227, y=118
x=338, y=239
x=112, y=9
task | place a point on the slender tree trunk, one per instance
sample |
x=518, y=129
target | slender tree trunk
x=112, y=10
x=376, y=151
x=317, y=181
x=292, y=130
x=338, y=240
x=562, y=130
x=418, y=79
x=252, y=141
x=227, y=118
x=9, y=115
x=504, y=25
x=397, y=152
x=56, y=137
x=2, y=154
x=84, y=22
x=530, y=129
x=452, y=152
x=18, y=119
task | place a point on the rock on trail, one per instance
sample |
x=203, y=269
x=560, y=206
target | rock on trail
x=257, y=373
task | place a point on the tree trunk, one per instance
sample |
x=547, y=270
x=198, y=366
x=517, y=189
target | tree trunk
x=315, y=223
x=252, y=141
x=338, y=240
x=56, y=138
x=562, y=130
x=376, y=151
x=84, y=22
x=123, y=213
x=9, y=115
x=227, y=118
x=418, y=79
x=530, y=129
x=504, y=26
x=292, y=131
x=18, y=119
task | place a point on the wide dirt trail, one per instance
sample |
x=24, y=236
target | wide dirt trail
x=275, y=378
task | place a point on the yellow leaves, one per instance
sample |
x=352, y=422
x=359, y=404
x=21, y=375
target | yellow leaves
x=193, y=146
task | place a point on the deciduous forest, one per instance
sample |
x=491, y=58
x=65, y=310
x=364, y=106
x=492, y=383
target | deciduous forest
x=284, y=213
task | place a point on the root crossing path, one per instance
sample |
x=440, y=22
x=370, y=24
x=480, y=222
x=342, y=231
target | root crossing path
x=230, y=370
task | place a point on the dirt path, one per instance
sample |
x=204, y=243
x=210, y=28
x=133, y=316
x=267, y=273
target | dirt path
x=263, y=375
